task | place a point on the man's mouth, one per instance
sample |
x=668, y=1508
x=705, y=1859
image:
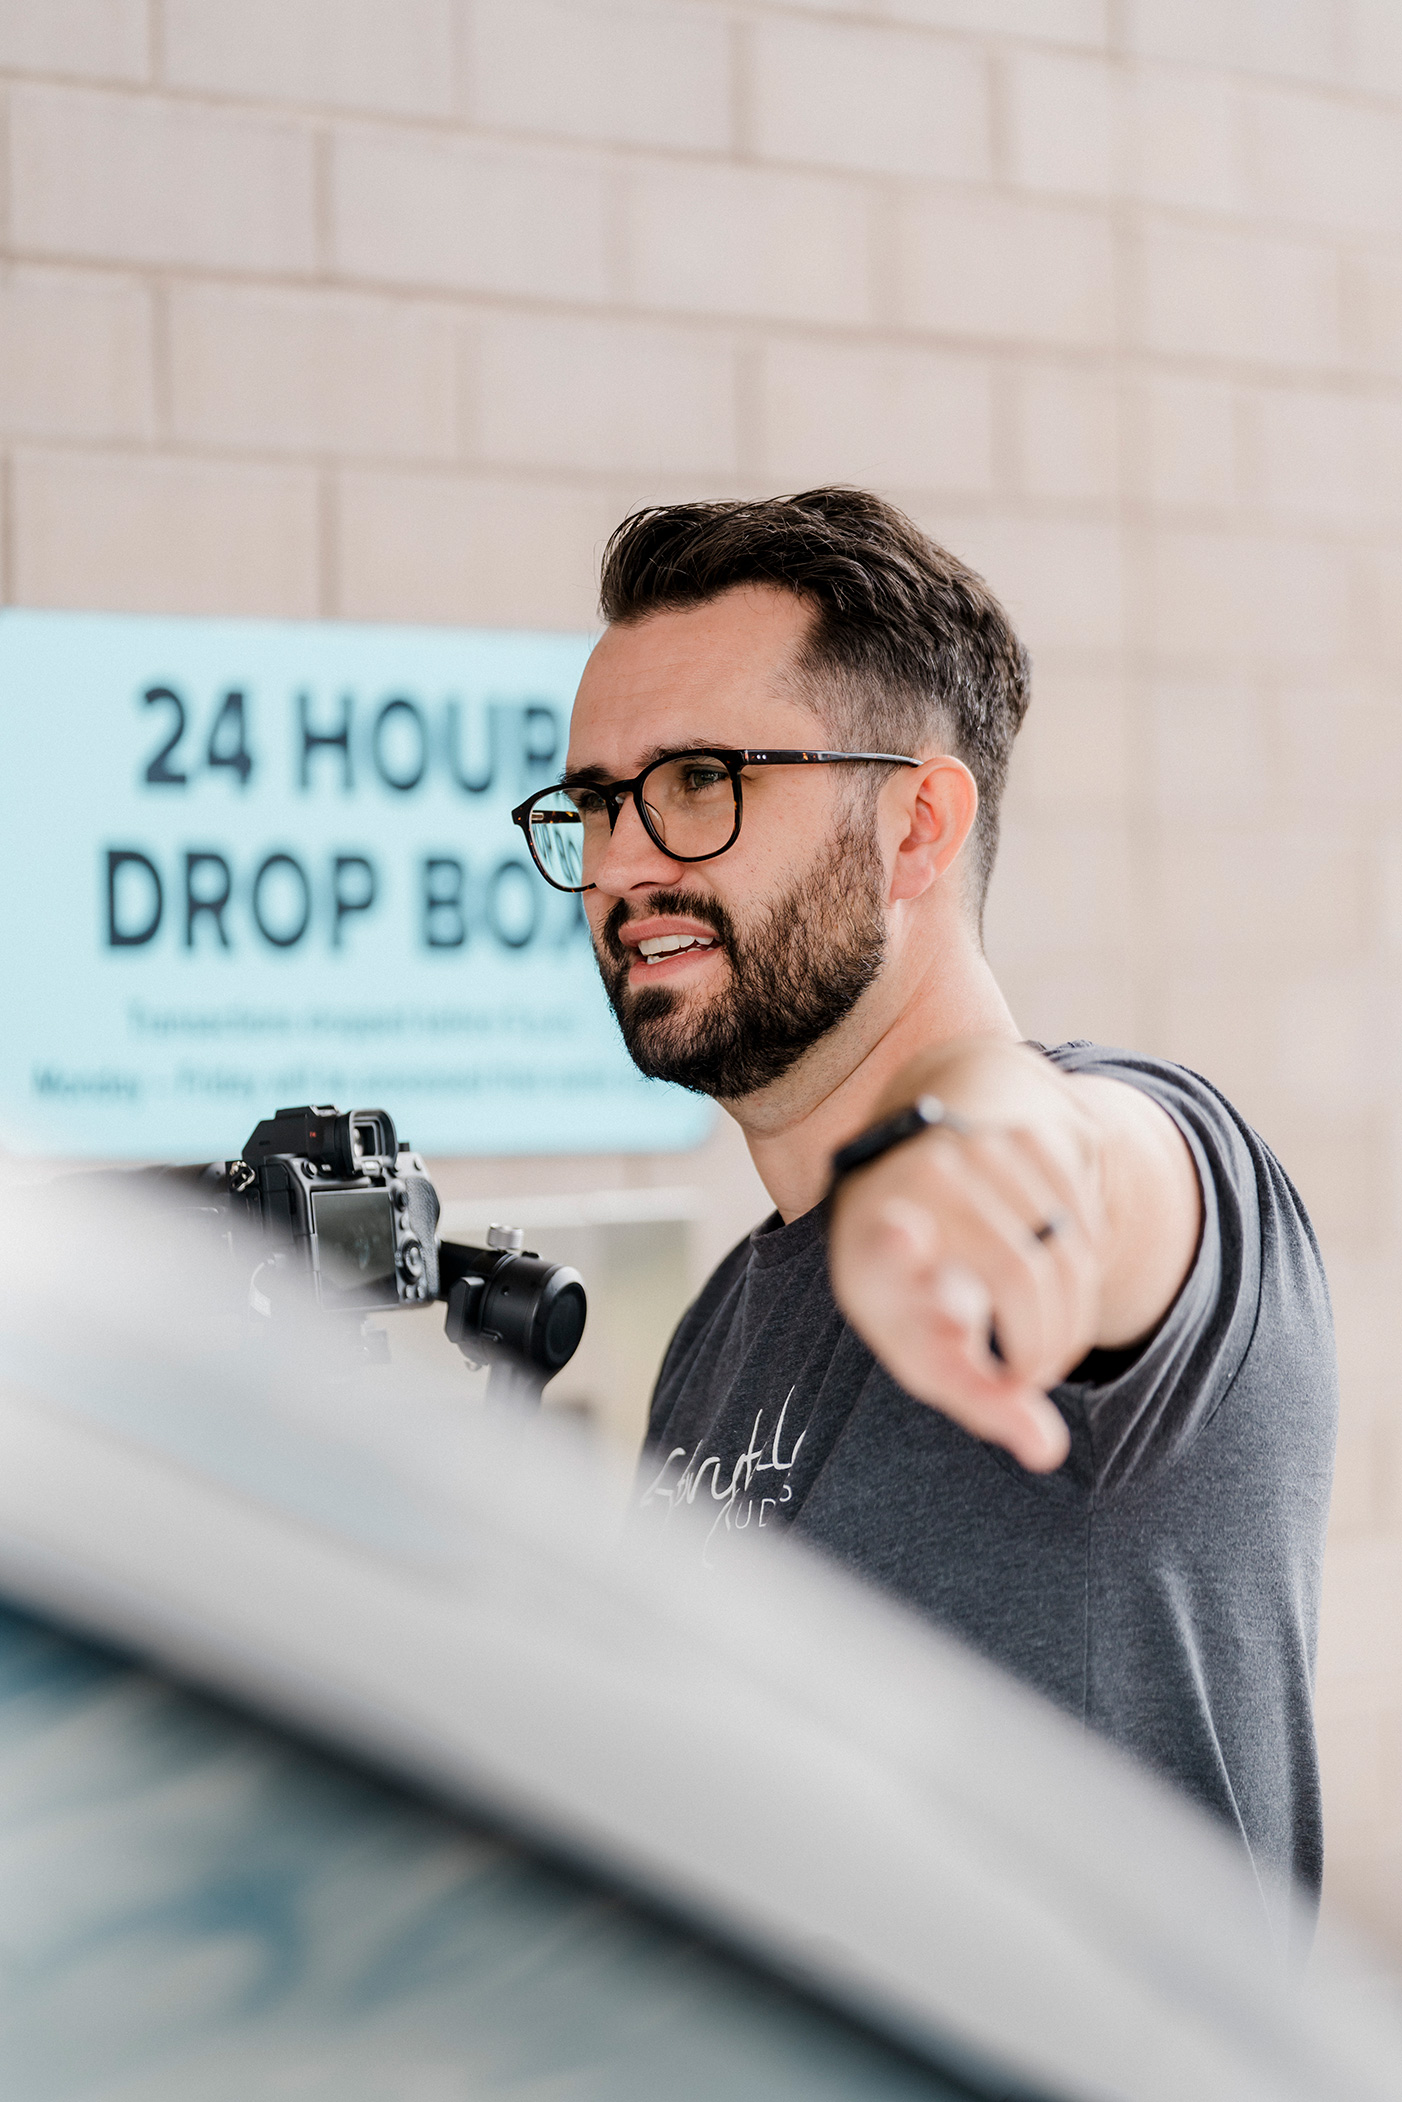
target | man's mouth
x=677, y=937
x=661, y=945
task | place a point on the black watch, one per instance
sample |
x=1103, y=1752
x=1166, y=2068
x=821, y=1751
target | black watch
x=926, y=1113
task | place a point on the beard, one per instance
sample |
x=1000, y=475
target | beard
x=796, y=971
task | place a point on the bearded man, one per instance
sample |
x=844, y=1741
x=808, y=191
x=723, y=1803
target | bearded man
x=1037, y=1339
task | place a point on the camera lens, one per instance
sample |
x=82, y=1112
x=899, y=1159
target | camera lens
x=536, y=1308
x=564, y=1325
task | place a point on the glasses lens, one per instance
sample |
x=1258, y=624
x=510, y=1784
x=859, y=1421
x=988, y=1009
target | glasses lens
x=691, y=805
x=557, y=838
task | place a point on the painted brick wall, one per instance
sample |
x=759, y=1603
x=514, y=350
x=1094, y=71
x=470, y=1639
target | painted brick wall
x=391, y=308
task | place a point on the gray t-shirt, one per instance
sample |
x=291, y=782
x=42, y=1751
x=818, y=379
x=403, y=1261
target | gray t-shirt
x=1163, y=1584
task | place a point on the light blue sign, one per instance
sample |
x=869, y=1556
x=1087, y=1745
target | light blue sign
x=249, y=863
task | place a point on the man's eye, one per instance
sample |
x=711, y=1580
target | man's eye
x=587, y=801
x=699, y=778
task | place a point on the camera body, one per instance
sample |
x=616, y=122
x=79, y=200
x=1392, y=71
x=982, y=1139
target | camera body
x=333, y=1202
x=356, y=1211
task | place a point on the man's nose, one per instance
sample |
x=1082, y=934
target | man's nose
x=632, y=858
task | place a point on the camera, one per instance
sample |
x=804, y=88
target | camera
x=332, y=1205
x=357, y=1208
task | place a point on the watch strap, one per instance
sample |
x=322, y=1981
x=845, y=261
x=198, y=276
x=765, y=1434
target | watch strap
x=926, y=1113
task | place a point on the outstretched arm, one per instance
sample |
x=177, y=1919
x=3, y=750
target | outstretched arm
x=1067, y=1217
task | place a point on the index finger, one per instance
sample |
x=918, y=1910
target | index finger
x=926, y=1320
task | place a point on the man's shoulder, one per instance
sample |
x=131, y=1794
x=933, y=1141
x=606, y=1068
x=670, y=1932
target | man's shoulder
x=723, y=1281
x=1251, y=1321
x=728, y=1271
x=1080, y=1054
x=1252, y=1205
x=1211, y=1122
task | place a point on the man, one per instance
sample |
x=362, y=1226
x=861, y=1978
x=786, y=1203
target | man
x=1054, y=1361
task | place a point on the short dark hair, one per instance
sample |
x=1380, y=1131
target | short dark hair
x=909, y=651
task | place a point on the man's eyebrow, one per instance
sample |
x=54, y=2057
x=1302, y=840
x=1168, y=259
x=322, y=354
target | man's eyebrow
x=585, y=777
x=599, y=776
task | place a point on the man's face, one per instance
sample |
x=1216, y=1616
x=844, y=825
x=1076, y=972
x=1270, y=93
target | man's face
x=786, y=929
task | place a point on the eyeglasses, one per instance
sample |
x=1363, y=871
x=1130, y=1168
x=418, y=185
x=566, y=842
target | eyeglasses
x=690, y=803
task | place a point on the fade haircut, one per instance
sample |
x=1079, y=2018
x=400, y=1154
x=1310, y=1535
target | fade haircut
x=909, y=650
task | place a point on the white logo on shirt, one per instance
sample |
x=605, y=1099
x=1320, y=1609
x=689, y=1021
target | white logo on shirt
x=740, y=1503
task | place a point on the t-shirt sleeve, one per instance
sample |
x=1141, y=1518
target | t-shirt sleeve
x=1145, y=1415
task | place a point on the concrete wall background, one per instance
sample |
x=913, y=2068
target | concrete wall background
x=391, y=308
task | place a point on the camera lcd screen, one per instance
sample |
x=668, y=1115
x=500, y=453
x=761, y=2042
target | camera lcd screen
x=355, y=1247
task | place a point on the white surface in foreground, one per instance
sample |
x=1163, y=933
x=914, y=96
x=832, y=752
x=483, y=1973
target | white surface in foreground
x=768, y=1747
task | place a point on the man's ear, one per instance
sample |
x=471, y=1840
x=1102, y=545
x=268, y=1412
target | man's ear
x=938, y=806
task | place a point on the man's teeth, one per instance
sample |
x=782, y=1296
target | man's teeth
x=668, y=944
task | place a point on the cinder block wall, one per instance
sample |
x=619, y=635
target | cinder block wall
x=391, y=308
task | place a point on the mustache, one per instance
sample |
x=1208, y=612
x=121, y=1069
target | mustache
x=685, y=904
